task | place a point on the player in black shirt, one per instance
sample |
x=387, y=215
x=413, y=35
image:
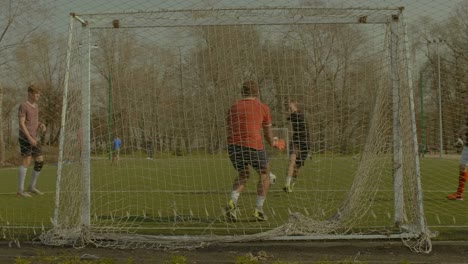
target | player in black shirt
x=299, y=145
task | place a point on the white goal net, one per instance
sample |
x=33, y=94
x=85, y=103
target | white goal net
x=162, y=82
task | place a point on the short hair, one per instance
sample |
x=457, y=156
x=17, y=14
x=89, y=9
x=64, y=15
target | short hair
x=250, y=88
x=34, y=88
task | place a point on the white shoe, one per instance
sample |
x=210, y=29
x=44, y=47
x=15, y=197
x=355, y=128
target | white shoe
x=23, y=194
x=35, y=191
x=260, y=215
x=231, y=211
x=272, y=178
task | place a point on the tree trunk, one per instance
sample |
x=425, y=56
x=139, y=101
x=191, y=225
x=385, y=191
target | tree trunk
x=2, y=142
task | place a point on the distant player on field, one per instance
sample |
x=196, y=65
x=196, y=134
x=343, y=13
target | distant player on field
x=29, y=126
x=149, y=148
x=116, y=144
x=245, y=120
x=299, y=146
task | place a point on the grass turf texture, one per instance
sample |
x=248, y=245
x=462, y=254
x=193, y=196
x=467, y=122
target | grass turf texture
x=186, y=195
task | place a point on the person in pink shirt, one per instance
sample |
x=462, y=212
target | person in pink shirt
x=29, y=126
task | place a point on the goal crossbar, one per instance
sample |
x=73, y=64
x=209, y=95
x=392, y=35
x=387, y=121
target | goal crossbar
x=239, y=16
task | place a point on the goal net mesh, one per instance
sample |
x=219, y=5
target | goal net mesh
x=163, y=81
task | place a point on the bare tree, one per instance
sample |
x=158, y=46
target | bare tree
x=445, y=42
x=14, y=18
x=46, y=66
x=137, y=76
x=225, y=56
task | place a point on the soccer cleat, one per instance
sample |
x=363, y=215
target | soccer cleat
x=259, y=215
x=272, y=178
x=288, y=188
x=455, y=196
x=231, y=214
x=35, y=191
x=23, y=194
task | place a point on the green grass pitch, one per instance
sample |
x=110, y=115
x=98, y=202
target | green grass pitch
x=186, y=195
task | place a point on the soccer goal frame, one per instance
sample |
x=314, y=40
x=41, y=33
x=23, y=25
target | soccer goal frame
x=416, y=236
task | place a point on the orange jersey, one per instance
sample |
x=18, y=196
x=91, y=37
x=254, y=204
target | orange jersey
x=245, y=120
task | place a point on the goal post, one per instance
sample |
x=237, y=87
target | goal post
x=162, y=82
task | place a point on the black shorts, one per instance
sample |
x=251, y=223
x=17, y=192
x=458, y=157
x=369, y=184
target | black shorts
x=301, y=150
x=27, y=149
x=241, y=157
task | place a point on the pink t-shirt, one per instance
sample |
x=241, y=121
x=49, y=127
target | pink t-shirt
x=31, y=115
x=245, y=120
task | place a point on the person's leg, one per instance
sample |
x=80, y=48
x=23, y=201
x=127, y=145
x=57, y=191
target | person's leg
x=296, y=172
x=237, y=187
x=261, y=165
x=26, y=155
x=240, y=181
x=38, y=164
x=263, y=186
x=291, y=167
x=462, y=176
x=293, y=155
x=22, y=171
x=300, y=160
x=239, y=162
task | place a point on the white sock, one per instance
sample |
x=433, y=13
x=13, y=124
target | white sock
x=35, y=175
x=288, y=180
x=260, y=201
x=21, y=176
x=293, y=180
x=235, y=196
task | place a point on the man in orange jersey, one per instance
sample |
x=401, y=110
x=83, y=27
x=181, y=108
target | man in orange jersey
x=245, y=121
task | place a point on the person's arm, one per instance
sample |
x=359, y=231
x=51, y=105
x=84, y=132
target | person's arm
x=268, y=134
x=266, y=125
x=273, y=141
x=42, y=127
